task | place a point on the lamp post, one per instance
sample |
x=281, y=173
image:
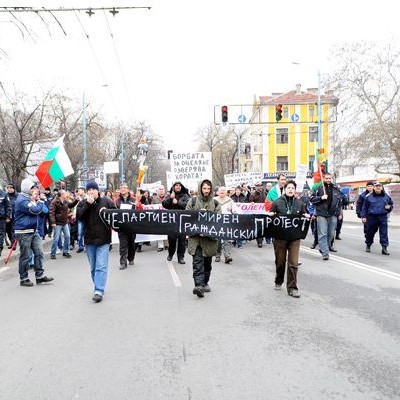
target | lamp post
x=122, y=157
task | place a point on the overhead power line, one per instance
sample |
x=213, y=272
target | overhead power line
x=89, y=10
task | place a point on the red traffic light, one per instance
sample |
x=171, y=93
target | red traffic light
x=224, y=113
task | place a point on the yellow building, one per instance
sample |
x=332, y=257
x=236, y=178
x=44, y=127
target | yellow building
x=282, y=146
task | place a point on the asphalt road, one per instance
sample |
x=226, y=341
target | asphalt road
x=151, y=338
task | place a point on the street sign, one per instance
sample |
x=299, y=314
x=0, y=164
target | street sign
x=242, y=118
x=295, y=118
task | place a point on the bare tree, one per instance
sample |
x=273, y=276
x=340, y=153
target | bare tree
x=223, y=144
x=368, y=84
x=21, y=127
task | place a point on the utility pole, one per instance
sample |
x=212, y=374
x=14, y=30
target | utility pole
x=84, y=134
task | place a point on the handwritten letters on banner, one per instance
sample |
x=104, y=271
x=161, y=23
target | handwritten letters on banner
x=206, y=223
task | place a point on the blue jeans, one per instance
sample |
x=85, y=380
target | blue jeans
x=98, y=260
x=81, y=232
x=57, y=232
x=30, y=243
x=326, y=227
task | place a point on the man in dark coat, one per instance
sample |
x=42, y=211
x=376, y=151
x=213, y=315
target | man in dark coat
x=177, y=199
x=97, y=236
x=375, y=210
x=327, y=201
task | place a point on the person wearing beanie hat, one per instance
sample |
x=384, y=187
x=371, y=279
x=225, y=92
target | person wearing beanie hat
x=28, y=206
x=97, y=236
x=5, y=216
x=92, y=185
x=369, y=188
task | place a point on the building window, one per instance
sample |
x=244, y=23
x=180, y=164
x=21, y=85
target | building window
x=313, y=133
x=282, y=135
x=285, y=112
x=311, y=112
x=311, y=160
x=282, y=164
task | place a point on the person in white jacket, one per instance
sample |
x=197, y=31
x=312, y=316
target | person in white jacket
x=224, y=246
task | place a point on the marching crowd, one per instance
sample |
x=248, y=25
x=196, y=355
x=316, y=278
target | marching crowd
x=73, y=217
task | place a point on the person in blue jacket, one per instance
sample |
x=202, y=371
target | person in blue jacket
x=27, y=208
x=374, y=212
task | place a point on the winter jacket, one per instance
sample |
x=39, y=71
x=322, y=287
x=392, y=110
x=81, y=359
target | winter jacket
x=360, y=202
x=374, y=204
x=5, y=206
x=12, y=199
x=96, y=232
x=129, y=200
x=208, y=245
x=26, y=214
x=329, y=207
x=286, y=205
x=239, y=199
x=59, y=210
x=182, y=197
x=257, y=197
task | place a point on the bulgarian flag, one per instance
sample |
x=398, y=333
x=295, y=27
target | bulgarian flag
x=320, y=168
x=56, y=165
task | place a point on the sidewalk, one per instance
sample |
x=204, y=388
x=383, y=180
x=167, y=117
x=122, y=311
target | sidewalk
x=349, y=216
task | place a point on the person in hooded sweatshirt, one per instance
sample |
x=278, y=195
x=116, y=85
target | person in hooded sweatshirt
x=374, y=212
x=177, y=199
x=28, y=206
x=203, y=248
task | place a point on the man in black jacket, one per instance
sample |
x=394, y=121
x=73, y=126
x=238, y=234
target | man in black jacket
x=97, y=236
x=176, y=200
x=327, y=201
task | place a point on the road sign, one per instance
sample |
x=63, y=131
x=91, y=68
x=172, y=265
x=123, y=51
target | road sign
x=242, y=118
x=295, y=118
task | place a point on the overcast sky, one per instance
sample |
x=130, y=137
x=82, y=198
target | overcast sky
x=169, y=66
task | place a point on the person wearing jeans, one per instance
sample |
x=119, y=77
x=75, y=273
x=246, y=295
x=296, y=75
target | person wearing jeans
x=57, y=230
x=27, y=208
x=59, y=210
x=327, y=201
x=97, y=237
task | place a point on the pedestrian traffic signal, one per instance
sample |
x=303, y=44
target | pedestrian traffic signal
x=224, y=114
x=278, y=112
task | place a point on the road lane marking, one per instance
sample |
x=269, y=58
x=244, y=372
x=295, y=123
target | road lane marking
x=356, y=264
x=174, y=275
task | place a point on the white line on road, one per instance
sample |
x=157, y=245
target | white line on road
x=174, y=275
x=359, y=265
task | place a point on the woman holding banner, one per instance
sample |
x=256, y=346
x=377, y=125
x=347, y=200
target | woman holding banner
x=288, y=250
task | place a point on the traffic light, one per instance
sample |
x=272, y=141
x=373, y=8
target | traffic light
x=224, y=114
x=278, y=112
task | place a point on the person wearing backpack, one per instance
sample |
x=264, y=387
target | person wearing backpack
x=200, y=247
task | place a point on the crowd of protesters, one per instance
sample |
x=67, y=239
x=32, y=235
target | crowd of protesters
x=71, y=218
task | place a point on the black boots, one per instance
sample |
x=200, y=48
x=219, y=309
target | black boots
x=385, y=251
x=368, y=249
